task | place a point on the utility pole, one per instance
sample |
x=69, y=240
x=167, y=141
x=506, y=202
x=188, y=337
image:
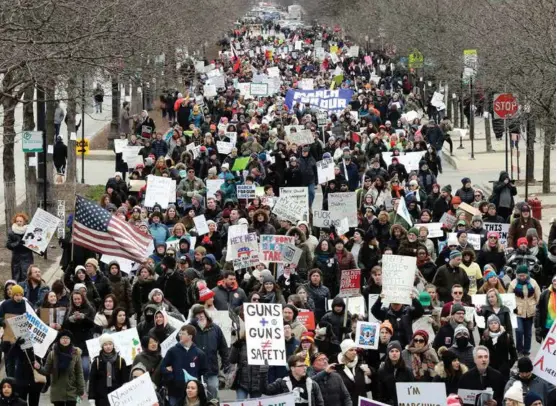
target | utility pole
x=472, y=117
x=83, y=130
x=41, y=126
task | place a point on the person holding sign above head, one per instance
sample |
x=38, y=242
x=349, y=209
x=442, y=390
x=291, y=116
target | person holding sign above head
x=108, y=372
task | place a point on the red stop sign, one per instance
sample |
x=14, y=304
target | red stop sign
x=505, y=105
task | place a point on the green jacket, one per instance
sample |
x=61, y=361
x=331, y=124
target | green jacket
x=66, y=386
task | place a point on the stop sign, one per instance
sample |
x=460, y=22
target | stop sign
x=505, y=105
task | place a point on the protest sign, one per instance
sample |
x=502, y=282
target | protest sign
x=475, y=241
x=224, y=147
x=20, y=328
x=52, y=315
x=433, y=229
x=271, y=247
x=126, y=265
x=213, y=185
x=245, y=250
x=350, y=282
x=126, y=343
x=398, y=278
x=119, y=144
x=307, y=318
x=137, y=392
x=159, y=191
x=414, y=393
x=322, y=218
x=222, y=319
x=201, y=226
x=369, y=402
x=325, y=170
x=507, y=299
x=372, y=298
x=343, y=226
x=402, y=211
x=469, y=396
x=234, y=230
x=424, y=323
x=264, y=334
x=448, y=221
x=288, y=209
x=245, y=191
x=353, y=51
x=368, y=60
x=273, y=71
x=303, y=137
x=170, y=341
x=367, y=335
x=194, y=149
x=470, y=210
x=410, y=160
x=333, y=101
x=502, y=229
x=61, y=214
x=544, y=362
x=130, y=155
x=355, y=305
x=306, y=84
x=343, y=205
x=244, y=88
x=290, y=253
x=259, y=89
x=41, y=335
x=209, y=90
x=299, y=194
x=288, y=399
x=240, y=164
x=39, y=232
x=137, y=185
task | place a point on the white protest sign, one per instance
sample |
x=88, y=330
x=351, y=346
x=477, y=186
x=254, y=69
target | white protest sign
x=325, y=170
x=372, y=298
x=343, y=205
x=398, y=278
x=273, y=71
x=353, y=51
x=224, y=147
x=288, y=399
x=355, y=305
x=222, y=319
x=264, y=334
x=322, y=218
x=291, y=254
x=20, y=328
x=414, y=393
x=245, y=191
x=468, y=396
x=244, y=88
x=213, y=185
x=410, y=160
x=119, y=145
x=433, y=229
x=367, y=335
x=306, y=84
x=130, y=155
x=502, y=229
x=41, y=334
x=216, y=81
x=343, y=226
x=288, y=209
x=194, y=149
x=137, y=392
x=245, y=250
x=39, y=232
x=234, y=230
x=209, y=90
x=544, y=362
x=475, y=241
x=126, y=265
x=303, y=137
x=126, y=343
x=159, y=191
x=201, y=224
x=508, y=299
x=259, y=89
x=301, y=195
x=403, y=212
x=199, y=66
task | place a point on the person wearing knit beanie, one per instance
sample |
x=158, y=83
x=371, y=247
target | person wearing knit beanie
x=455, y=254
x=457, y=307
x=421, y=333
x=414, y=231
x=461, y=329
x=533, y=399
x=522, y=269
x=77, y=287
x=493, y=319
x=92, y=261
x=488, y=274
x=153, y=293
x=453, y=400
x=346, y=345
x=17, y=290
x=447, y=189
x=522, y=241
x=525, y=365
x=394, y=345
x=514, y=393
x=205, y=293
x=105, y=338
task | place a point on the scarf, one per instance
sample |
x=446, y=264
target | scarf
x=109, y=359
x=422, y=262
x=63, y=357
x=550, y=308
x=519, y=289
x=322, y=256
x=18, y=230
x=419, y=361
x=495, y=336
x=349, y=369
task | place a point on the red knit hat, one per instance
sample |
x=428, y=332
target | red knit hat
x=307, y=336
x=522, y=240
x=421, y=333
x=204, y=292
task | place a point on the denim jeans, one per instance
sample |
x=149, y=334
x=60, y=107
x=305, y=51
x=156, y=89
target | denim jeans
x=242, y=394
x=524, y=334
x=311, y=194
x=86, y=365
x=212, y=382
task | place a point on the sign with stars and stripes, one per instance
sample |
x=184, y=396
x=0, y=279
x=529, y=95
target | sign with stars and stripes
x=98, y=230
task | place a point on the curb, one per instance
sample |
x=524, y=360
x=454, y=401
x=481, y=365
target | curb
x=449, y=159
x=100, y=155
x=51, y=273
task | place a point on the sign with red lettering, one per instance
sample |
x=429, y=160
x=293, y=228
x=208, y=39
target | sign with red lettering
x=505, y=105
x=544, y=363
x=350, y=282
x=307, y=318
x=271, y=247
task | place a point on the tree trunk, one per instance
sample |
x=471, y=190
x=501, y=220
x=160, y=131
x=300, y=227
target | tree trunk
x=547, y=144
x=9, y=105
x=488, y=146
x=449, y=103
x=30, y=171
x=136, y=99
x=530, y=138
x=71, y=169
x=50, y=136
x=114, y=124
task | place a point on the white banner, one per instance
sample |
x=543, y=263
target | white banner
x=289, y=209
x=222, y=319
x=126, y=343
x=302, y=137
x=159, y=190
x=213, y=185
x=137, y=392
x=259, y=89
x=325, y=170
x=264, y=334
x=398, y=278
x=41, y=334
x=270, y=247
x=126, y=265
x=544, y=362
x=40, y=231
x=343, y=205
x=201, y=226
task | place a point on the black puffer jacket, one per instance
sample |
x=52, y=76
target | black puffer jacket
x=22, y=256
x=333, y=389
x=320, y=295
x=212, y=342
x=121, y=287
x=388, y=376
x=140, y=294
x=247, y=376
x=336, y=320
x=401, y=320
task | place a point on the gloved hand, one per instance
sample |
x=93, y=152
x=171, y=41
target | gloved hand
x=20, y=341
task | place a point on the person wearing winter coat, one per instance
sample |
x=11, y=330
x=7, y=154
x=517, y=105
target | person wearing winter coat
x=400, y=316
x=156, y=298
x=410, y=244
x=34, y=287
x=15, y=305
x=500, y=343
x=356, y=376
x=80, y=276
x=420, y=357
x=466, y=192
x=105, y=313
x=445, y=335
x=324, y=259
x=210, y=339
x=426, y=178
x=270, y=292
x=545, y=311
x=424, y=263
x=63, y=366
x=318, y=292
x=530, y=382
x=108, y=372
x=305, y=389
x=391, y=371
x=449, y=370
x=290, y=316
x=335, y=317
x=172, y=283
x=504, y=191
x=527, y=294
x=397, y=167
x=492, y=252
x=22, y=257
x=150, y=357
x=332, y=387
x=462, y=346
x=228, y=295
x=520, y=226
x=100, y=281
x=120, y=286
x=246, y=383
x=8, y=393
x=147, y=320
x=305, y=262
x=141, y=288
x=494, y=306
x=451, y=274
x=261, y=223
x=161, y=329
x=472, y=269
x=79, y=322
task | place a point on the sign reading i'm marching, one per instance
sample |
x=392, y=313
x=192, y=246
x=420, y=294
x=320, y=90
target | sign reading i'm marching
x=350, y=283
x=264, y=334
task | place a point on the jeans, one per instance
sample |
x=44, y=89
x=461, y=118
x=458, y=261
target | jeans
x=212, y=382
x=86, y=365
x=98, y=107
x=311, y=194
x=242, y=394
x=524, y=334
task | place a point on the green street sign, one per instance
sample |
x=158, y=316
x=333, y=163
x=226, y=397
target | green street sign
x=415, y=60
x=32, y=141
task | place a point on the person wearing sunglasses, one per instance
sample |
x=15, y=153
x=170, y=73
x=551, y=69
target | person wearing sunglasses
x=306, y=390
x=420, y=357
x=457, y=293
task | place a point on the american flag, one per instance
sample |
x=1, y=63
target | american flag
x=98, y=230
